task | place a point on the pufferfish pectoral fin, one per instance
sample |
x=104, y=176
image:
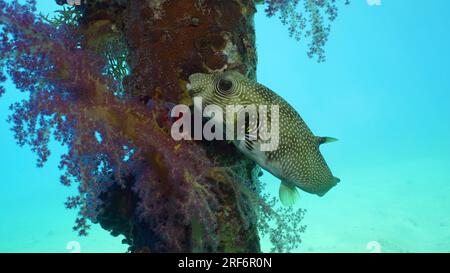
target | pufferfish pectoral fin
x=288, y=194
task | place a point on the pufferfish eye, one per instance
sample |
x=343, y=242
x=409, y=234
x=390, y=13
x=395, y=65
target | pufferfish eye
x=224, y=85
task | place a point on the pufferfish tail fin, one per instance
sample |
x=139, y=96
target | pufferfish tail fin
x=322, y=140
x=288, y=194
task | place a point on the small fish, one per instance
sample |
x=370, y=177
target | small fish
x=297, y=161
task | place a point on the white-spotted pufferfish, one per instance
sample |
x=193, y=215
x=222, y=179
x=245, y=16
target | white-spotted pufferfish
x=297, y=161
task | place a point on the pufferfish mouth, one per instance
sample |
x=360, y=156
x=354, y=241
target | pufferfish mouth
x=191, y=86
x=192, y=91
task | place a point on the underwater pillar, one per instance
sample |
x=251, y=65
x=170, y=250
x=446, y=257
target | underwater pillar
x=168, y=40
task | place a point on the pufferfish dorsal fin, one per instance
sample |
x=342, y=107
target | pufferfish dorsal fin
x=322, y=140
x=288, y=194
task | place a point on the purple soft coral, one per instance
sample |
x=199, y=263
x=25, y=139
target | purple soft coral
x=70, y=97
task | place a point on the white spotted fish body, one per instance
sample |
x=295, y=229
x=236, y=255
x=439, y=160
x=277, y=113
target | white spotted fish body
x=297, y=161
